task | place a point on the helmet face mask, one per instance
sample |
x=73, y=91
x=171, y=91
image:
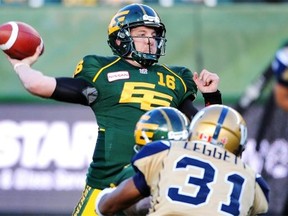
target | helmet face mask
x=220, y=125
x=119, y=33
x=162, y=123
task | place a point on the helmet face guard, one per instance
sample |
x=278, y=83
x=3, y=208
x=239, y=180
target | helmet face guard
x=162, y=123
x=119, y=33
x=220, y=125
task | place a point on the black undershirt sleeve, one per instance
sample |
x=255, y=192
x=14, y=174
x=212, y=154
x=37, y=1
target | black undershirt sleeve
x=72, y=90
x=188, y=108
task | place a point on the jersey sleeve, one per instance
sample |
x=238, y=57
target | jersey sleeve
x=186, y=77
x=141, y=184
x=147, y=163
x=79, y=89
x=261, y=198
x=87, y=67
x=279, y=66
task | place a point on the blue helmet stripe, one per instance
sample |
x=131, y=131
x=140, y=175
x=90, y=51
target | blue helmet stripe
x=220, y=121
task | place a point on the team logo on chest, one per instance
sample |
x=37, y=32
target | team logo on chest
x=119, y=75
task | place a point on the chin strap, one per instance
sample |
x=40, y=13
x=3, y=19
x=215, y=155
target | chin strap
x=144, y=59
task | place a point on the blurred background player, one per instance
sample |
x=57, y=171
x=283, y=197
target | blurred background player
x=275, y=113
x=119, y=89
x=277, y=69
x=280, y=69
x=202, y=176
x=280, y=98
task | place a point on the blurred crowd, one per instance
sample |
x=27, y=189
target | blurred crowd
x=40, y=3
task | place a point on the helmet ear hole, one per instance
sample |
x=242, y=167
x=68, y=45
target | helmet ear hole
x=121, y=42
x=118, y=42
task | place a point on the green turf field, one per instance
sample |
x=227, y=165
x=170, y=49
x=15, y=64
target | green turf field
x=235, y=41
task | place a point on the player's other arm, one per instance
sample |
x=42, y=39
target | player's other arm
x=188, y=108
x=207, y=83
x=111, y=201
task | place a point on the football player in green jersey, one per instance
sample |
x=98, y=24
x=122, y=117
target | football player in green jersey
x=119, y=89
x=202, y=175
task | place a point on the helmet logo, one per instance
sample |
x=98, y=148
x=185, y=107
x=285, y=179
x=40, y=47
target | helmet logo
x=224, y=141
x=205, y=137
x=145, y=131
x=117, y=21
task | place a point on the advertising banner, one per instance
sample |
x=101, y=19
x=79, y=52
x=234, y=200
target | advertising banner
x=45, y=151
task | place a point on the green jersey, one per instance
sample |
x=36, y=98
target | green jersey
x=126, y=92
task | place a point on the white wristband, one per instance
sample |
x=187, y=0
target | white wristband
x=20, y=64
x=98, y=198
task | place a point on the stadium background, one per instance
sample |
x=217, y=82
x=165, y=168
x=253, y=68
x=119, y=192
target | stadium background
x=45, y=145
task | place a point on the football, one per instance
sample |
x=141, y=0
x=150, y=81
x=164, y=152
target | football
x=19, y=40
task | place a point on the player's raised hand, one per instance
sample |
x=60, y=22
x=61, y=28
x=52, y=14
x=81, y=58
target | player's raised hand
x=206, y=81
x=26, y=61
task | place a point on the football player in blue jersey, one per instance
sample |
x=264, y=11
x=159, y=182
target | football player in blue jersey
x=203, y=175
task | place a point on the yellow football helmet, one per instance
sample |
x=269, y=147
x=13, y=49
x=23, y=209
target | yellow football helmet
x=162, y=123
x=220, y=125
